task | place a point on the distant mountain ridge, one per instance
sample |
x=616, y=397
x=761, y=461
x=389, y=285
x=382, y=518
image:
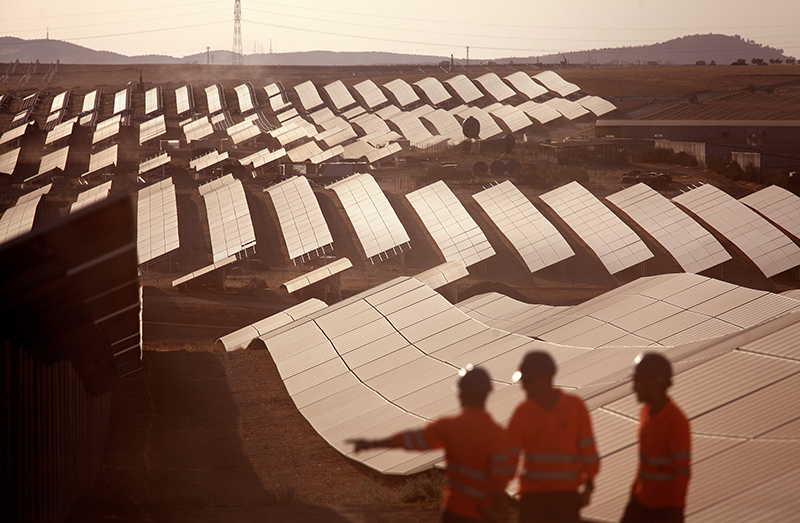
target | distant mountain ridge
x=722, y=49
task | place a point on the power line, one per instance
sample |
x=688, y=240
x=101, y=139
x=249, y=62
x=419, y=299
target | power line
x=521, y=26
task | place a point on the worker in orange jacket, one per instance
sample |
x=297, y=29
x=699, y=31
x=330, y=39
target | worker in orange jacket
x=476, y=452
x=662, y=480
x=552, y=433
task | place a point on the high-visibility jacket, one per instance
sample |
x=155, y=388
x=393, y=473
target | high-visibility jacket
x=557, y=446
x=477, y=455
x=665, y=447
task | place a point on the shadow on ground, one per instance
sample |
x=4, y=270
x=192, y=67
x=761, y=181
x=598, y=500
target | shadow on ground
x=174, y=453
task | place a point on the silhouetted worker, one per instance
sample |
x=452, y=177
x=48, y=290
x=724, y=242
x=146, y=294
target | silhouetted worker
x=476, y=451
x=659, y=491
x=552, y=433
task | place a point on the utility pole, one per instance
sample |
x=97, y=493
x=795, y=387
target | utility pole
x=467, y=58
x=238, y=59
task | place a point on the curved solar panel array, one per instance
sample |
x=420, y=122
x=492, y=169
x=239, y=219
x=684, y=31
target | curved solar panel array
x=303, y=226
x=665, y=310
x=536, y=240
x=319, y=274
x=617, y=246
x=771, y=250
x=156, y=221
x=385, y=360
x=453, y=230
x=228, y=215
x=778, y=205
x=18, y=220
x=91, y=196
x=693, y=247
x=8, y=161
x=376, y=225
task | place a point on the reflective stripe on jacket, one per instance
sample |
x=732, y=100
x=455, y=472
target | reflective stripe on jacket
x=477, y=455
x=557, y=447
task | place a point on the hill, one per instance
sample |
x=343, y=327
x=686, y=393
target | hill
x=722, y=49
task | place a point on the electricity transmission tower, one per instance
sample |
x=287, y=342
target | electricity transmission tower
x=238, y=58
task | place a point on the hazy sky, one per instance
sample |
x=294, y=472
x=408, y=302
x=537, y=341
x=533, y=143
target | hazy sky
x=490, y=29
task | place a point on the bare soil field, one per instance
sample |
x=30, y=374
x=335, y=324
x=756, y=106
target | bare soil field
x=203, y=435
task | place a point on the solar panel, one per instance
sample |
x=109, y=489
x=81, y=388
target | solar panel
x=693, y=247
x=102, y=159
x=525, y=85
x=464, y=88
x=208, y=160
x=489, y=128
x=198, y=129
x=121, y=101
x=59, y=101
x=152, y=100
x=156, y=221
x=617, y=246
x=371, y=94
x=277, y=98
x=322, y=273
x=90, y=197
x=152, y=129
x=496, y=88
x=441, y=275
x=327, y=154
x=243, y=131
x=263, y=157
x=20, y=117
x=241, y=339
x=540, y=112
x=18, y=220
x=182, y=103
x=106, y=129
x=304, y=229
x=245, y=98
x=90, y=101
x=568, y=109
x=228, y=217
x=453, y=230
x=555, y=83
x=536, y=240
x=402, y=92
x=434, y=91
x=336, y=136
x=415, y=131
x=512, y=118
x=60, y=131
x=54, y=160
x=596, y=105
x=154, y=163
x=208, y=269
x=375, y=223
x=8, y=161
x=445, y=124
x=339, y=95
x=214, y=98
x=13, y=134
x=778, y=205
x=771, y=250
x=309, y=96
